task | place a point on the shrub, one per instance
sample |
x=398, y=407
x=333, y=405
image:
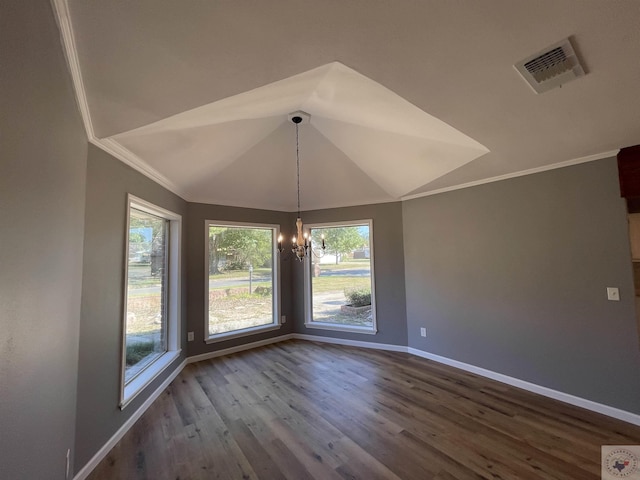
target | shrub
x=138, y=351
x=235, y=265
x=358, y=297
x=262, y=291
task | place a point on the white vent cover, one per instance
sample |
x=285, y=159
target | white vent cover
x=550, y=68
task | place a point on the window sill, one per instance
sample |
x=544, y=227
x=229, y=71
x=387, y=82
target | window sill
x=144, y=378
x=242, y=333
x=342, y=328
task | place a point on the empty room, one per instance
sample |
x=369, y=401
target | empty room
x=319, y=240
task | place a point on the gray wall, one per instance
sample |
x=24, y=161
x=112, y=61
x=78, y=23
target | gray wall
x=508, y=276
x=511, y=276
x=108, y=182
x=42, y=169
x=389, y=272
x=196, y=271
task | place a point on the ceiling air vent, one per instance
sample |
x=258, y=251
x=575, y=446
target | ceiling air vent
x=551, y=68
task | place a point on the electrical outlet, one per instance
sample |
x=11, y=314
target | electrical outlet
x=283, y=319
x=423, y=332
x=190, y=336
x=613, y=294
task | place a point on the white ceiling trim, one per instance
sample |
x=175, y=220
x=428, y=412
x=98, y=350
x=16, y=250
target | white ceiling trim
x=128, y=157
x=61, y=10
x=522, y=173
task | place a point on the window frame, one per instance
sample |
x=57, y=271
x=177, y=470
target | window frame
x=275, y=279
x=130, y=389
x=308, y=281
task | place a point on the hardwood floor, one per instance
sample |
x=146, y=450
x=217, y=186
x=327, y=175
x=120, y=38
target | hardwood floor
x=301, y=410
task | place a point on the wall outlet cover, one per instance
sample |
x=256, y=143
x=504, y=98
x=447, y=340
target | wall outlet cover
x=613, y=294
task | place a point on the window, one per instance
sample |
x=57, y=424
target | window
x=242, y=280
x=152, y=289
x=340, y=292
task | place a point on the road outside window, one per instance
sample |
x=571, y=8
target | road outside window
x=340, y=287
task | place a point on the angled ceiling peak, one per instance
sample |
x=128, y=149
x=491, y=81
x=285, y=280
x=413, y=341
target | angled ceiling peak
x=197, y=98
x=389, y=142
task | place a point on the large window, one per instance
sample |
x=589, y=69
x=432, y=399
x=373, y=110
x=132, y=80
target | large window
x=241, y=282
x=340, y=292
x=150, y=340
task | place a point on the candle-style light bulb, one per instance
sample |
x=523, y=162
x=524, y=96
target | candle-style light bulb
x=300, y=241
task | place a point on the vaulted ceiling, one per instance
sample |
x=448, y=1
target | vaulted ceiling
x=406, y=98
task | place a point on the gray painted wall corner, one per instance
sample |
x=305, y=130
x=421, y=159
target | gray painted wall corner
x=43, y=151
x=108, y=183
x=389, y=272
x=197, y=214
x=511, y=277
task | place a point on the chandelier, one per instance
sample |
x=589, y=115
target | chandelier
x=301, y=242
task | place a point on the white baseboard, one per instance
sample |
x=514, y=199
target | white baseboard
x=516, y=382
x=350, y=343
x=532, y=387
x=239, y=348
x=106, y=448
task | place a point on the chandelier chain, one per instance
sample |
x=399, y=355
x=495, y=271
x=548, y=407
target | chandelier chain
x=301, y=245
x=298, y=167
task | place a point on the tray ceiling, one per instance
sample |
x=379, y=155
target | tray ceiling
x=406, y=98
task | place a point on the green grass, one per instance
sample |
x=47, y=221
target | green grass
x=346, y=265
x=225, y=275
x=241, y=310
x=254, y=284
x=138, y=351
x=339, y=284
x=145, y=282
x=324, y=283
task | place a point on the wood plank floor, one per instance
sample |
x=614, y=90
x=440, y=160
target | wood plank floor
x=301, y=410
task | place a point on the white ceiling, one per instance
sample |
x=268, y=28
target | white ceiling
x=406, y=98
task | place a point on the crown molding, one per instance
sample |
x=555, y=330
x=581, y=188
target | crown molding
x=61, y=11
x=126, y=156
x=109, y=145
x=521, y=173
